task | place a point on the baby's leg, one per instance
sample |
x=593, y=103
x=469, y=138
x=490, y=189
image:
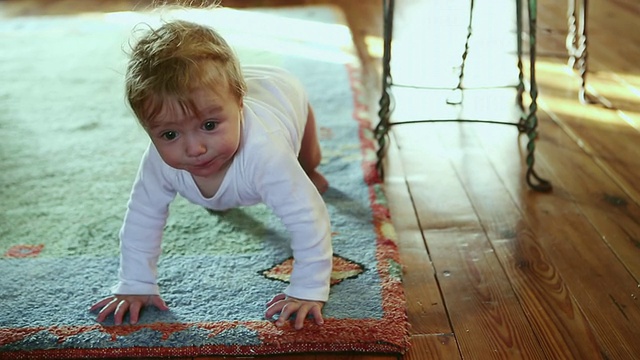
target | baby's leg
x=310, y=154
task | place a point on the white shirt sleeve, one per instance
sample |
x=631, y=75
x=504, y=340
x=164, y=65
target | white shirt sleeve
x=141, y=232
x=276, y=109
x=287, y=190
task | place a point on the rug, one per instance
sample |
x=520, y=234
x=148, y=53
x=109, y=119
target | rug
x=68, y=157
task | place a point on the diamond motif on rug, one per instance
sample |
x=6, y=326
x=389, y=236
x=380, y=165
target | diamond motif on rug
x=343, y=269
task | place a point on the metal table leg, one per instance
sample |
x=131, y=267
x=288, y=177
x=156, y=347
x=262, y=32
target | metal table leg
x=527, y=123
x=576, y=43
x=530, y=122
x=381, y=131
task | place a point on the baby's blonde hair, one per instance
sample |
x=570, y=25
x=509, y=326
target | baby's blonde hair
x=172, y=60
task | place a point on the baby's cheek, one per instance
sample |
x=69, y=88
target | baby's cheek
x=171, y=158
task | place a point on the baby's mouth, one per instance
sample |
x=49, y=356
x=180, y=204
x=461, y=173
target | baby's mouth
x=204, y=163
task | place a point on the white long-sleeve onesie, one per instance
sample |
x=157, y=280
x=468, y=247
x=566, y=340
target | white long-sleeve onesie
x=265, y=169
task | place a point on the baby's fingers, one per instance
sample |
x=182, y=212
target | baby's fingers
x=308, y=309
x=121, y=310
x=288, y=310
x=107, y=310
x=159, y=303
x=274, y=309
x=316, y=312
x=276, y=298
x=134, y=312
x=300, y=316
x=100, y=304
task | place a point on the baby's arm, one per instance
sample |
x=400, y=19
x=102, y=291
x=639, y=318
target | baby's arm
x=296, y=201
x=140, y=240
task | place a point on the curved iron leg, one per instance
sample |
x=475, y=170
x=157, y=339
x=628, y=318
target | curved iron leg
x=520, y=86
x=381, y=131
x=582, y=63
x=531, y=123
x=457, y=96
x=577, y=44
x=571, y=41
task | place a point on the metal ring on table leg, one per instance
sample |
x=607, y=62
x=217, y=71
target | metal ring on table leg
x=381, y=132
x=531, y=122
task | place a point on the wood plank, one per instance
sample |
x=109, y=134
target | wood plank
x=612, y=76
x=610, y=135
x=425, y=307
x=582, y=259
x=560, y=327
x=433, y=347
x=593, y=126
x=485, y=314
x=609, y=209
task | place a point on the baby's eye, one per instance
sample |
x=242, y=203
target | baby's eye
x=209, y=125
x=169, y=135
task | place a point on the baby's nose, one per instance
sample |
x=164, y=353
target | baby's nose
x=195, y=148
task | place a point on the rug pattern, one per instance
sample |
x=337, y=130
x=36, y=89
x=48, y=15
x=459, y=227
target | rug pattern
x=60, y=217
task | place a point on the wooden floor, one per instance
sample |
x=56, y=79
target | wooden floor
x=493, y=269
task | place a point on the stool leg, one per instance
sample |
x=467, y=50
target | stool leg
x=520, y=86
x=531, y=122
x=571, y=42
x=577, y=45
x=457, y=97
x=381, y=131
x=582, y=54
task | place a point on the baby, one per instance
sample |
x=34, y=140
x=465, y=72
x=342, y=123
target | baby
x=221, y=137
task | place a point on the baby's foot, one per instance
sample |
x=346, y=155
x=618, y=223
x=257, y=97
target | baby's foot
x=319, y=181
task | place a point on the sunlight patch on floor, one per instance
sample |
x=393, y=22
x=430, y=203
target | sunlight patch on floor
x=560, y=86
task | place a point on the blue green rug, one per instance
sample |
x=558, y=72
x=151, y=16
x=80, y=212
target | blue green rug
x=69, y=155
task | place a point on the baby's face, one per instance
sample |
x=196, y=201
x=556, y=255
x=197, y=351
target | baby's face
x=202, y=140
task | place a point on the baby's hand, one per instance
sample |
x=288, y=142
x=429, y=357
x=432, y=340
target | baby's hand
x=119, y=305
x=288, y=306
